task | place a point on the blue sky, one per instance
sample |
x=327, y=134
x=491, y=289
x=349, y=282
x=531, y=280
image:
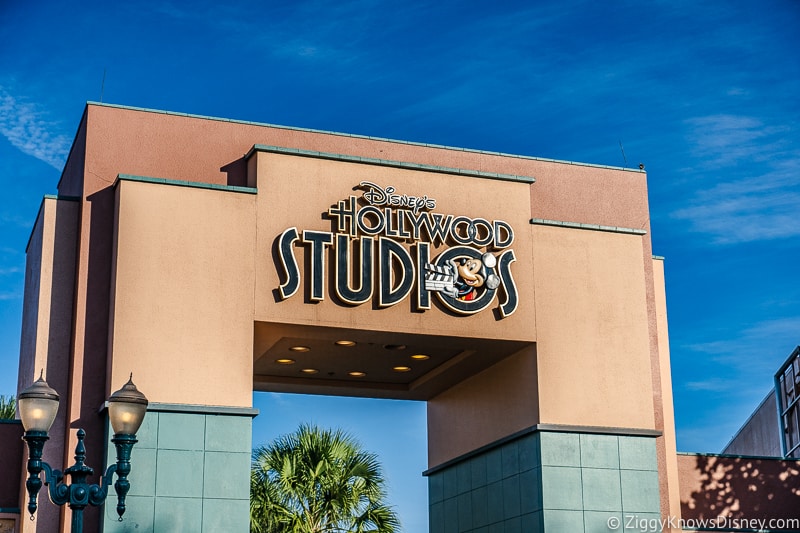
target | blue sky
x=705, y=94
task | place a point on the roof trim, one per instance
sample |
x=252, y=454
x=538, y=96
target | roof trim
x=388, y=163
x=368, y=137
x=183, y=183
x=580, y=225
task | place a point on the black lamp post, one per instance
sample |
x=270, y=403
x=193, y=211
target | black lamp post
x=38, y=405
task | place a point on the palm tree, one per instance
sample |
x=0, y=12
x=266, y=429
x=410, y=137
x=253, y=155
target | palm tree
x=318, y=481
x=8, y=407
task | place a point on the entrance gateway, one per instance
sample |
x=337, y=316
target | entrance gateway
x=212, y=258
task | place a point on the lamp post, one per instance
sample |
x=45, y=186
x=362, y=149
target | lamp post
x=38, y=405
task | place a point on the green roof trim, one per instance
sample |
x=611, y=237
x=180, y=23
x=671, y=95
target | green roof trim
x=368, y=137
x=62, y=197
x=182, y=183
x=388, y=163
x=580, y=225
x=737, y=456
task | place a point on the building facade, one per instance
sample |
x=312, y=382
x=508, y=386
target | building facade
x=518, y=297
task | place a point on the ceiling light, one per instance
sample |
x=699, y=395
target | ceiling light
x=401, y=368
x=357, y=374
x=345, y=343
x=285, y=361
x=300, y=348
x=420, y=357
x=309, y=371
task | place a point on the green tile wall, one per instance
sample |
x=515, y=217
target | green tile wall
x=547, y=482
x=190, y=472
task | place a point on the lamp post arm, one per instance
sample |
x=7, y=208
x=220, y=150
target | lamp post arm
x=124, y=444
x=98, y=493
x=58, y=490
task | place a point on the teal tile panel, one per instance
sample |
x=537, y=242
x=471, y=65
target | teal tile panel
x=478, y=467
x=181, y=431
x=143, y=472
x=464, y=477
x=640, y=491
x=229, y=433
x=530, y=492
x=143, y=469
x=528, y=449
x=562, y=521
x=138, y=517
x=602, y=521
x=178, y=515
x=494, y=466
x=510, y=459
x=561, y=488
x=148, y=431
x=637, y=453
x=513, y=525
x=436, y=487
x=464, y=511
x=495, y=493
x=179, y=473
x=226, y=475
x=450, y=479
x=230, y=516
x=480, y=507
x=496, y=528
x=601, y=489
x=599, y=451
x=532, y=522
x=451, y=515
x=560, y=449
x=436, y=517
x=511, y=503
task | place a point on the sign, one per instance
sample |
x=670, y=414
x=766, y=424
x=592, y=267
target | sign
x=370, y=236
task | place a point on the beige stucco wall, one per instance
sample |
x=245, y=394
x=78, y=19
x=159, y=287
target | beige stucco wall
x=670, y=485
x=47, y=321
x=296, y=191
x=493, y=404
x=592, y=335
x=182, y=294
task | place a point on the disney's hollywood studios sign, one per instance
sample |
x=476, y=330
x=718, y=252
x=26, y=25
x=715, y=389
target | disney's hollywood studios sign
x=369, y=236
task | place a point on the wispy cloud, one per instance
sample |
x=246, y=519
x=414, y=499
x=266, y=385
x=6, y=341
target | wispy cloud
x=751, y=357
x=4, y=296
x=28, y=129
x=755, y=194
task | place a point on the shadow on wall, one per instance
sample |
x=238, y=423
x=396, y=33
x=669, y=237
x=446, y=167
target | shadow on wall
x=738, y=487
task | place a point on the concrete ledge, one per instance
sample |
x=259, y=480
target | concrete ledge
x=543, y=428
x=579, y=225
x=183, y=183
x=388, y=163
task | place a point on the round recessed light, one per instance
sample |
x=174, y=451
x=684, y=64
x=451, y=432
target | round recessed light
x=357, y=374
x=285, y=361
x=345, y=343
x=309, y=371
x=300, y=348
x=395, y=346
x=401, y=368
x=420, y=357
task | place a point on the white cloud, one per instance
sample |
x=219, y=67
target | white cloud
x=753, y=176
x=27, y=128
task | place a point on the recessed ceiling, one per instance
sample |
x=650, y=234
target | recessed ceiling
x=379, y=364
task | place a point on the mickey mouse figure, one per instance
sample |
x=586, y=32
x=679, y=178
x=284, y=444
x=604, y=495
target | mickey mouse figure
x=471, y=274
